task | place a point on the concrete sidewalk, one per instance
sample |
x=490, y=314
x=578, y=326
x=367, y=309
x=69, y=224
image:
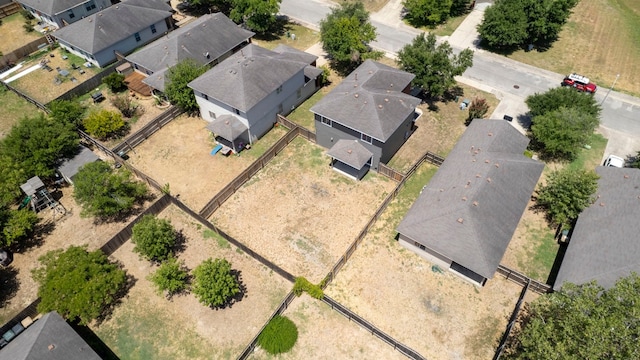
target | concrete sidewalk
x=466, y=35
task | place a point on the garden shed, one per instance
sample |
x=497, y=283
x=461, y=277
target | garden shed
x=70, y=167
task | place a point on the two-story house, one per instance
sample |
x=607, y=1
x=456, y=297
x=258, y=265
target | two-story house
x=59, y=13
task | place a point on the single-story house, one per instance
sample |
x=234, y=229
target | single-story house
x=252, y=86
x=604, y=242
x=465, y=217
x=207, y=40
x=122, y=28
x=70, y=167
x=59, y=13
x=373, y=106
x=49, y=338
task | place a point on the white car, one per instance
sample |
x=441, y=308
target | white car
x=615, y=161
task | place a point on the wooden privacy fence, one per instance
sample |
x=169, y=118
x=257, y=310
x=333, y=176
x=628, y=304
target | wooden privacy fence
x=141, y=135
x=22, y=52
x=390, y=172
x=30, y=311
x=512, y=321
x=26, y=97
x=89, y=84
x=524, y=280
x=405, y=350
x=252, y=345
x=9, y=9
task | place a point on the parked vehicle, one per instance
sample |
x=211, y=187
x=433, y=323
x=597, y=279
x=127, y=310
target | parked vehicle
x=615, y=161
x=580, y=83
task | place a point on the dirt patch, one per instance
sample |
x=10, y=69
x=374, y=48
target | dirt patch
x=323, y=333
x=299, y=213
x=179, y=155
x=72, y=229
x=14, y=35
x=225, y=332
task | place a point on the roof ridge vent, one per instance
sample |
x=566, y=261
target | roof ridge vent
x=356, y=95
x=349, y=151
x=379, y=106
x=460, y=220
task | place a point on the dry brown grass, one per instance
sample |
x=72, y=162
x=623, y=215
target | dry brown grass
x=13, y=34
x=600, y=40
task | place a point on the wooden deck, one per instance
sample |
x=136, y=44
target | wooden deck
x=134, y=83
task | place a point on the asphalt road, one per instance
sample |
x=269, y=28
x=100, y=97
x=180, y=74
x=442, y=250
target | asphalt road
x=509, y=80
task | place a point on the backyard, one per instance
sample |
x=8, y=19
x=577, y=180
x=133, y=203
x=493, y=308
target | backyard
x=600, y=40
x=13, y=33
x=13, y=108
x=183, y=328
x=179, y=155
x=443, y=316
x=302, y=223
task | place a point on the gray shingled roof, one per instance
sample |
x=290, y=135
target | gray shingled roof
x=248, y=76
x=471, y=207
x=350, y=152
x=370, y=100
x=227, y=126
x=69, y=167
x=49, y=338
x=113, y=24
x=604, y=245
x=295, y=54
x=212, y=34
x=52, y=7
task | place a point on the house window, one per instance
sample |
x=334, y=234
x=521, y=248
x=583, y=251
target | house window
x=280, y=109
x=212, y=115
x=236, y=111
x=137, y=36
x=417, y=244
x=71, y=14
x=279, y=89
x=153, y=29
x=90, y=5
x=206, y=97
x=326, y=121
x=365, y=138
x=299, y=93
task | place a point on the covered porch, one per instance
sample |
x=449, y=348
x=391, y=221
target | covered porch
x=228, y=131
x=350, y=158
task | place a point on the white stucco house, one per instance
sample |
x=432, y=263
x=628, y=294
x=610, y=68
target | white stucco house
x=246, y=91
x=59, y=13
x=123, y=28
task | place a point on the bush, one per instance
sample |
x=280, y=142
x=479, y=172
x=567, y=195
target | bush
x=170, y=278
x=154, y=238
x=28, y=26
x=115, y=82
x=125, y=105
x=477, y=110
x=27, y=15
x=278, y=336
x=303, y=285
x=66, y=111
x=104, y=124
x=214, y=283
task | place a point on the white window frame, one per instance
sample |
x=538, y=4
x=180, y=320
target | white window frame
x=327, y=122
x=366, y=138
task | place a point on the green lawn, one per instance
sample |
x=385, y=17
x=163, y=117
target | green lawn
x=589, y=159
x=304, y=38
x=13, y=109
x=302, y=116
x=448, y=27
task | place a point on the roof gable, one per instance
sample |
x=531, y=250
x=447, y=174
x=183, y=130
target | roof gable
x=473, y=204
x=370, y=100
x=52, y=7
x=203, y=40
x=604, y=245
x=241, y=81
x=113, y=24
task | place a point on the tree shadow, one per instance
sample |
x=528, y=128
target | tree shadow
x=9, y=284
x=452, y=94
x=180, y=244
x=107, y=311
x=36, y=239
x=237, y=297
x=280, y=28
x=94, y=341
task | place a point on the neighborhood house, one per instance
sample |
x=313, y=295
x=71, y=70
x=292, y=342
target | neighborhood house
x=241, y=96
x=122, y=28
x=372, y=111
x=465, y=217
x=59, y=13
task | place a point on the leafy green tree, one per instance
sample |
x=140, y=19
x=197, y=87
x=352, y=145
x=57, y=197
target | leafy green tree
x=427, y=12
x=171, y=277
x=66, y=111
x=583, y=322
x=36, y=144
x=477, y=110
x=555, y=98
x=561, y=133
x=78, y=284
x=278, y=336
x=12, y=175
x=635, y=163
x=115, y=82
x=179, y=77
x=154, y=238
x=258, y=15
x=223, y=6
x=345, y=34
x=17, y=225
x=459, y=7
x=433, y=65
x=105, y=193
x=566, y=193
x=104, y=124
x=214, y=283
x=504, y=25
